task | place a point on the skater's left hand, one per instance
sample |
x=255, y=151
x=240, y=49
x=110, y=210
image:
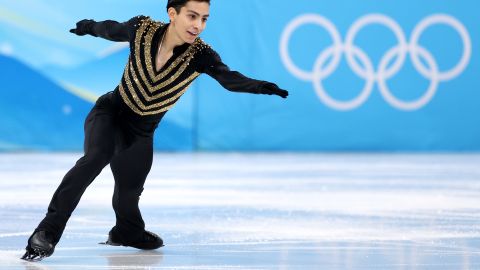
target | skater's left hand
x=272, y=89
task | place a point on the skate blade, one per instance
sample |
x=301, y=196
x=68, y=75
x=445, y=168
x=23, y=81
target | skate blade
x=33, y=256
x=110, y=243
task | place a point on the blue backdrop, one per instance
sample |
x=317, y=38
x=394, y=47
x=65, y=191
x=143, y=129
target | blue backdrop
x=363, y=75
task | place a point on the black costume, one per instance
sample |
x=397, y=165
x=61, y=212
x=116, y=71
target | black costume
x=119, y=129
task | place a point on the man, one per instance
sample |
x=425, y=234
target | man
x=164, y=60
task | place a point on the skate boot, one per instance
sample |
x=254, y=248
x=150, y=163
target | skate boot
x=148, y=240
x=40, y=245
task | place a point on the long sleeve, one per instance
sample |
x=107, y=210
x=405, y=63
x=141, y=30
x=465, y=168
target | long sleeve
x=231, y=80
x=113, y=30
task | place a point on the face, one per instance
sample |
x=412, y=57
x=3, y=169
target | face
x=190, y=21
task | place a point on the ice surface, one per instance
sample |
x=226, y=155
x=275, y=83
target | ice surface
x=261, y=211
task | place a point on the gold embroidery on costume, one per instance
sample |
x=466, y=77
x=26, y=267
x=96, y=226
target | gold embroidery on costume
x=141, y=80
x=159, y=95
x=149, y=98
x=138, y=41
x=137, y=111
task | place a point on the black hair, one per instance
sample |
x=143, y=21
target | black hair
x=178, y=4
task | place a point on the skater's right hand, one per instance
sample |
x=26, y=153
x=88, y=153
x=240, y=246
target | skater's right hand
x=83, y=27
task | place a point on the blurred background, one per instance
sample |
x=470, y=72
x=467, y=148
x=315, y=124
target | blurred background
x=365, y=75
x=311, y=182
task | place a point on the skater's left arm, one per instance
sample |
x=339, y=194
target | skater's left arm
x=109, y=29
x=235, y=81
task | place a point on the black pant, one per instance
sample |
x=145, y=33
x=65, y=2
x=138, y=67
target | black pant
x=116, y=136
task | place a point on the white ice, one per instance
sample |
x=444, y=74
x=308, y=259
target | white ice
x=261, y=211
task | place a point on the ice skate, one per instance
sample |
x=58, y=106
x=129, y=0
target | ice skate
x=40, y=245
x=148, y=240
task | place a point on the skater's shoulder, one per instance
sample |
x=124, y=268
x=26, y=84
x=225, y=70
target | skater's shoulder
x=203, y=51
x=144, y=23
x=200, y=45
x=205, y=55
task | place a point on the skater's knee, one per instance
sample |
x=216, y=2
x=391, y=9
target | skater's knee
x=129, y=193
x=98, y=157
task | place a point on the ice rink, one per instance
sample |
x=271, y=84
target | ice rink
x=261, y=211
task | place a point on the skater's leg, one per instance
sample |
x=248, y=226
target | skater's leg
x=99, y=147
x=130, y=168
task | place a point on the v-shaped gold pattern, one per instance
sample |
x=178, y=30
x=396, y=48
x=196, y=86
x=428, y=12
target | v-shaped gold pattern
x=141, y=81
x=147, y=32
x=142, y=91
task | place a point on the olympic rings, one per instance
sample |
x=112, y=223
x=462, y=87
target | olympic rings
x=366, y=70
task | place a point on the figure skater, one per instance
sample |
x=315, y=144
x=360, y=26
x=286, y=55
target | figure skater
x=164, y=60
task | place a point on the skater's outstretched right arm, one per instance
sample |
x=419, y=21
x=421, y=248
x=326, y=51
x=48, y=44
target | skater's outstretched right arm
x=109, y=29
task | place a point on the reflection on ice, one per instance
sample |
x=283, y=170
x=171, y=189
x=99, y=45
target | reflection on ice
x=261, y=211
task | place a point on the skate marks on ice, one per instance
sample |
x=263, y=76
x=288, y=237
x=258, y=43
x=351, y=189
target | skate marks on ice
x=87, y=258
x=257, y=211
